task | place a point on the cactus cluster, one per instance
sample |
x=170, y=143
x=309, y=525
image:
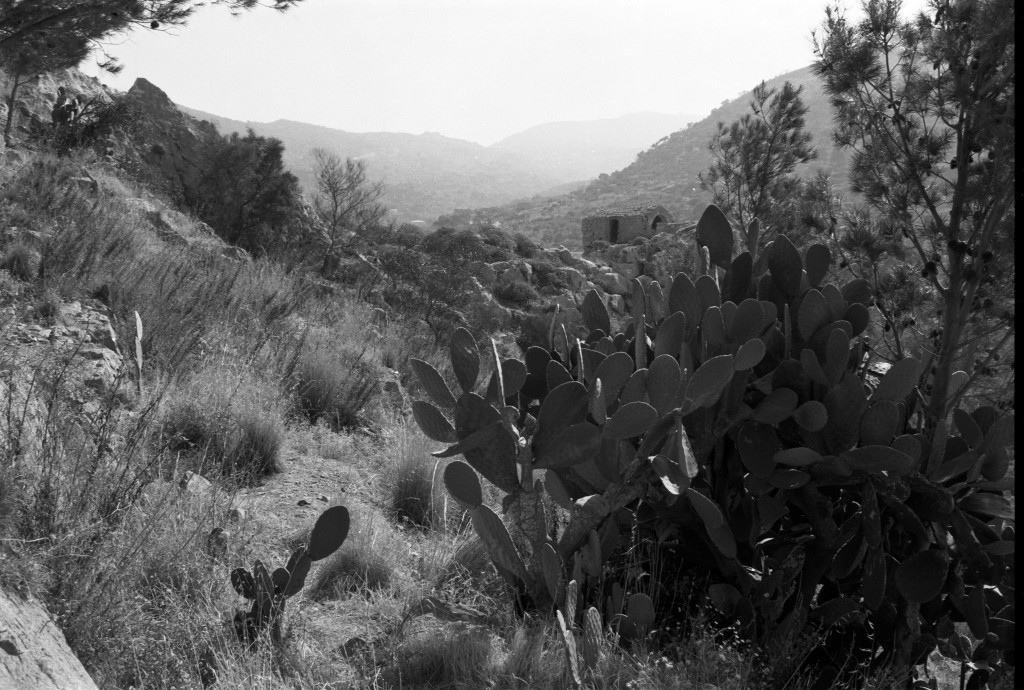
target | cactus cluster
x=738, y=412
x=269, y=591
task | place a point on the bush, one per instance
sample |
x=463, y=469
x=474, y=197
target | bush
x=526, y=247
x=412, y=492
x=333, y=387
x=22, y=262
x=231, y=427
x=547, y=274
x=516, y=294
x=256, y=448
x=496, y=237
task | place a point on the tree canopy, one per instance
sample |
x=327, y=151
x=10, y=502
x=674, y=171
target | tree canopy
x=31, y=22
x=927, y=108
x=756, y=154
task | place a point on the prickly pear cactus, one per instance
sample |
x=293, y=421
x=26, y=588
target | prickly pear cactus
x=269, y=591
x=740, y=413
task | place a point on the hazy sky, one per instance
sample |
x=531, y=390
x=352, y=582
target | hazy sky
x=473, y=69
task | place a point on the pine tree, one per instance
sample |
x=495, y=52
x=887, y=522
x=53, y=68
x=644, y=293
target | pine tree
x=755, y=157
x=927, y=107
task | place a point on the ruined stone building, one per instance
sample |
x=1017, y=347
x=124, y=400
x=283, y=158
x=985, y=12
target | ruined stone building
x=623, y=225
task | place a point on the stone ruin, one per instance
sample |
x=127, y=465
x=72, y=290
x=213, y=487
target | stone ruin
x=623, y=225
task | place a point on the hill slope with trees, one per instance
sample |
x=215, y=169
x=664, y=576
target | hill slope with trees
x=665, y=174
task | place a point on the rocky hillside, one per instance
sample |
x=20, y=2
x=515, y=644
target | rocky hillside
x=664, y=174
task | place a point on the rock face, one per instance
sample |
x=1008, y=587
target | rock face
x=170, y=141
x=33, y=651
x=36, y=99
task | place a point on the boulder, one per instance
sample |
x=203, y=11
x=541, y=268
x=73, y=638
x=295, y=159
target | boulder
x=617, y=303
x=33, y=651
x=483, y=309
x=195, y=484
x=565, y=301
x=612, y=283
x=573, y=277
x=628, y=270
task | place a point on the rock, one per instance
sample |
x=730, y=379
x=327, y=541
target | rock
x=99, y=372
x=195, y=484
x=565, y=301
x=627, y=270
x=391, y=387
x=85, y=183
x=305, y=501
x=142, y=206
x=33, y=651
x=617, y=303
x=573, y=277
x=171, y=142
x=565, y=255
x=236, y=254
x=483, y=272
x=612, y=283
x=484, y=310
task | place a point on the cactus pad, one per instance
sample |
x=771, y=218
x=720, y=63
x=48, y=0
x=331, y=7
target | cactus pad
x=463, y=484
x=329, y=532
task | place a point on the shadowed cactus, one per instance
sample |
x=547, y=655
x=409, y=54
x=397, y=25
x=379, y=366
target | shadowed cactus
x=270, y=590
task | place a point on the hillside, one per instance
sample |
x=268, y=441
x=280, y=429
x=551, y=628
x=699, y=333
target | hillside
x=425, y=174
x=665, y=174
x=584, y=150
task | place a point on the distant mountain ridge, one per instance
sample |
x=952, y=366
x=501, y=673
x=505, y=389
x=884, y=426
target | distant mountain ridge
x=665, y=174
x=583, y=150
x=425, y=174
x=429, y=175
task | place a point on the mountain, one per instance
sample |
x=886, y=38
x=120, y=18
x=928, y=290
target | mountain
x=425, y=175
x=583, y=150
x=665, y=174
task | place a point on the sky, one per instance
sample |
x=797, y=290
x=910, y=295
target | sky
x=478, y=70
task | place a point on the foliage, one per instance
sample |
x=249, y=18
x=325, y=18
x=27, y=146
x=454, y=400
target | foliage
x=344, y=201
x=927, y=108
x=755, y=156
x=333, y=386
x=26, y=25
x=520, y=295
x=433, y=282
x=736, y=424
x=36, y=54
x=245, y=193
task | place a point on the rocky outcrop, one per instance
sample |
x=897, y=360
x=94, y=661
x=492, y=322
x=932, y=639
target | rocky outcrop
x=36, y=98
x=168, y=140
x=33, y=651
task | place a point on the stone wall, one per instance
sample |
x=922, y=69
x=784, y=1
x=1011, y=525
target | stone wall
x=621, y=226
